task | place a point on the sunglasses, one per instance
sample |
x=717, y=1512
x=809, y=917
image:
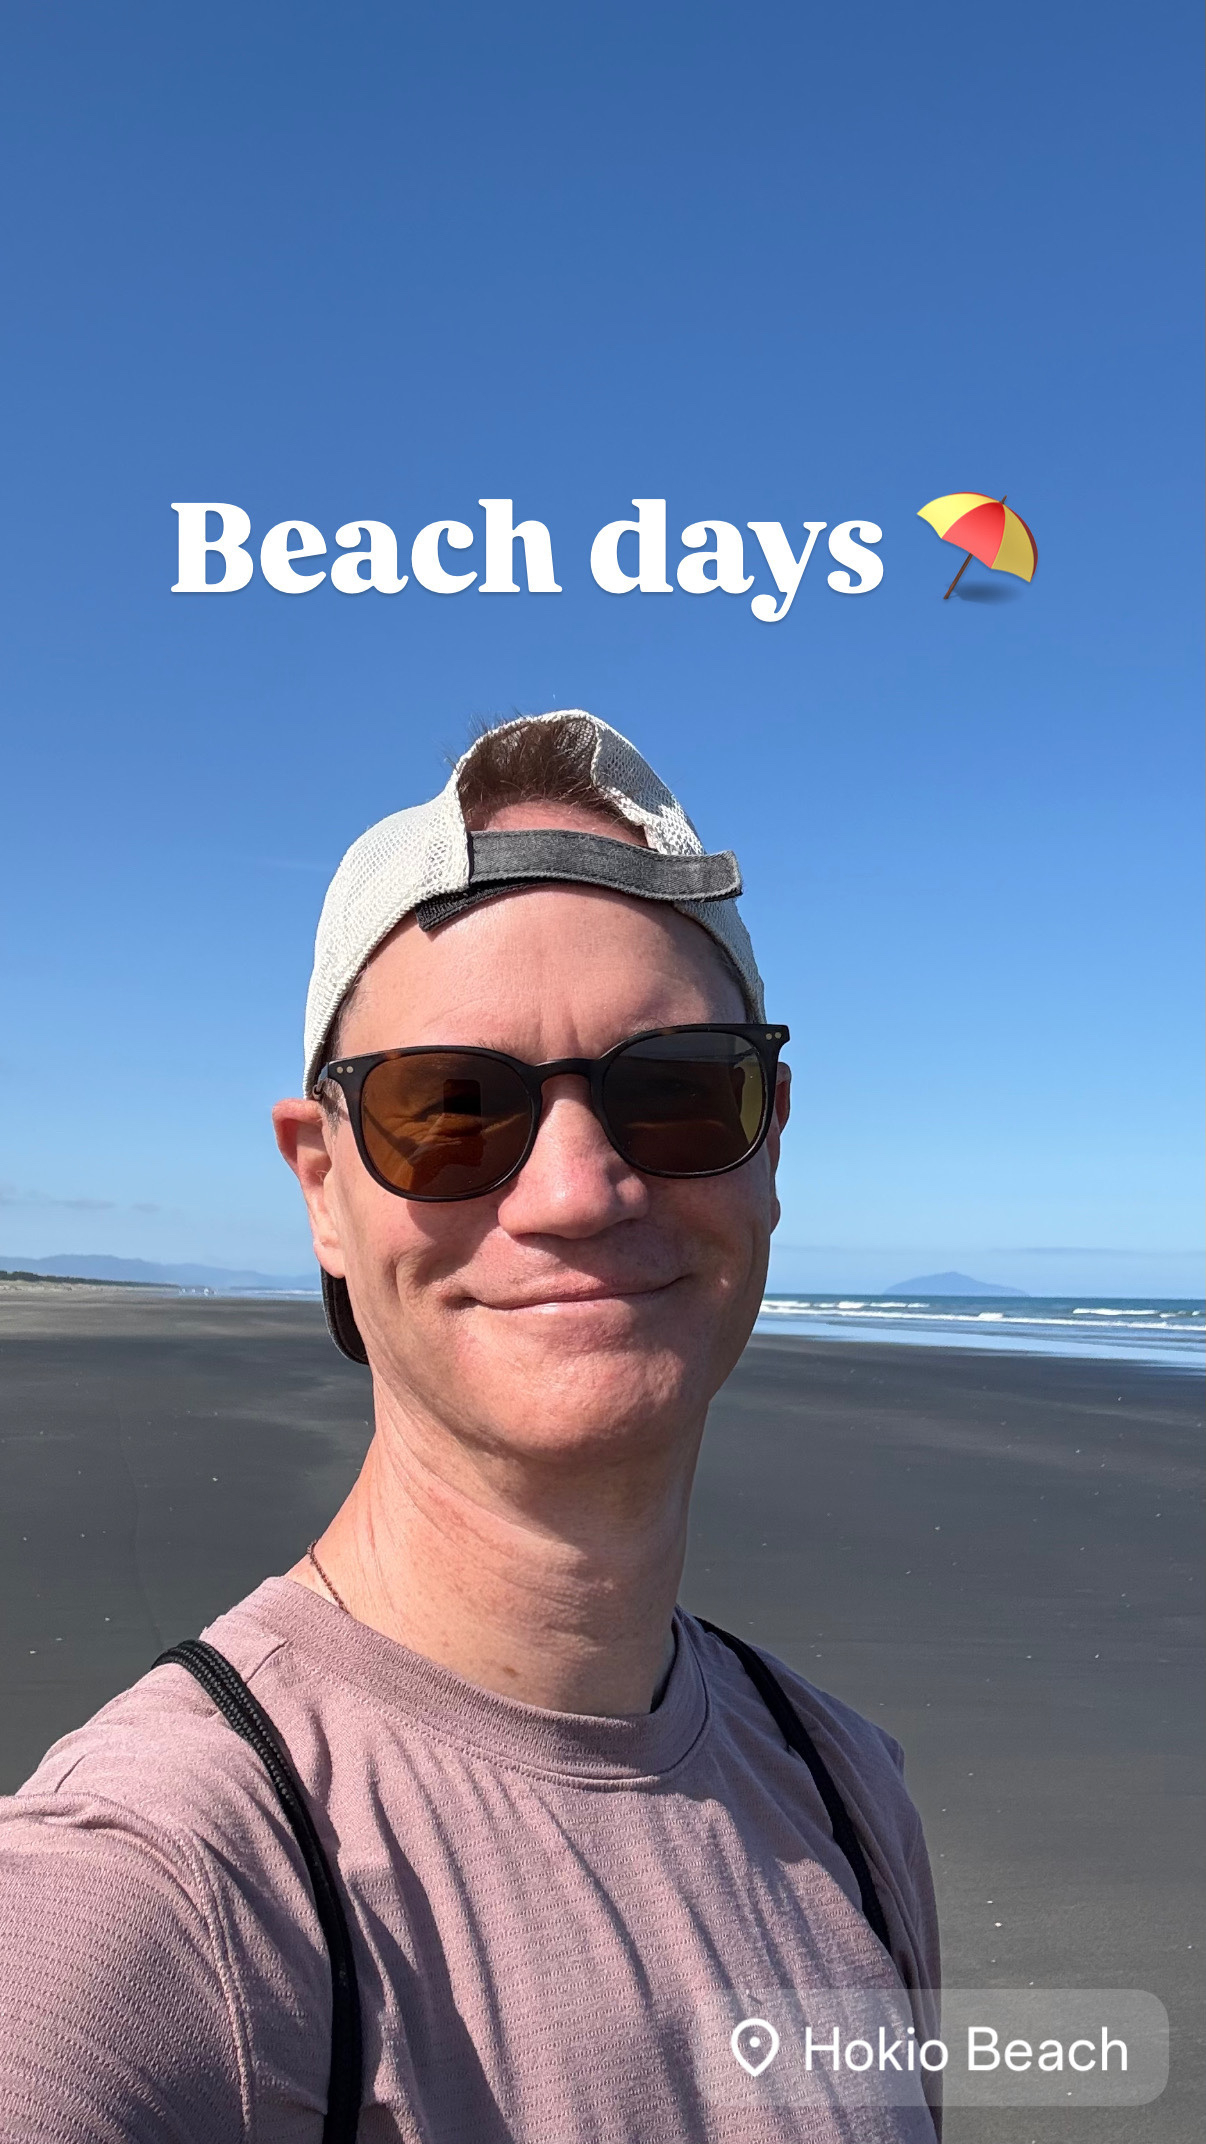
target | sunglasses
x=442, y=1123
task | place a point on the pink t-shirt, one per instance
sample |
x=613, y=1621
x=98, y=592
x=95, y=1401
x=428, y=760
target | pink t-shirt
x=543, y=1905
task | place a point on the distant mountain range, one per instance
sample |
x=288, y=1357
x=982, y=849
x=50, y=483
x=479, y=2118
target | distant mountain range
x=227, y=1280
x=949, y=1284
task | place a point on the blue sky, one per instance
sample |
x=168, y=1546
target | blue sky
x=780, y=262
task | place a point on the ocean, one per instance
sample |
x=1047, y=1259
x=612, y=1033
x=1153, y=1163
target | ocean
x=1169, y=1331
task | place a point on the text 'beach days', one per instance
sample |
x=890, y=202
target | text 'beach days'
x=626, y=557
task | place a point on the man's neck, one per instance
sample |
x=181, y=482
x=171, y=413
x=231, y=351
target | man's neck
x=550, y=1586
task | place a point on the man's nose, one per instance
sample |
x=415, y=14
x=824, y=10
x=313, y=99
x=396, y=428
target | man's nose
x=573, y=1182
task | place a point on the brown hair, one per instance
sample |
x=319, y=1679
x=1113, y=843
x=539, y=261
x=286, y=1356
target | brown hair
x=546, y=762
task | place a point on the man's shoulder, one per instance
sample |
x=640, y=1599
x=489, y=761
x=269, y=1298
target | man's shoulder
x=848, y=1740
x=159, y=1759
x=866, y=1764
x=152, y=1894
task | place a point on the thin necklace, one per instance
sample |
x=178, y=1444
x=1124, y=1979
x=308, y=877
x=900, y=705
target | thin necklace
x=336, y=1597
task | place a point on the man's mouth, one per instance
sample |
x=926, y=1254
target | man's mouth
x=572, y=1294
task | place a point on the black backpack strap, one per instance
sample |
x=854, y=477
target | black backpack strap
x=234, y=1700
x=797, y=1737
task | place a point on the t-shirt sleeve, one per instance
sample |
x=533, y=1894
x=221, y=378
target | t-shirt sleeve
x=118, y=2024
x=929, y=1953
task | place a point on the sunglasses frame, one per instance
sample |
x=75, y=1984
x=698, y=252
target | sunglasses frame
x=350, y=1073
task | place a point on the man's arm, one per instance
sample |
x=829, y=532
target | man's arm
x=118, y=2023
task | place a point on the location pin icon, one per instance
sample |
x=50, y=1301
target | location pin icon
x=755, y=2043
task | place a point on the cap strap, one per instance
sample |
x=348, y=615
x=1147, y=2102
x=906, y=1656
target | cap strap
x=504, y=862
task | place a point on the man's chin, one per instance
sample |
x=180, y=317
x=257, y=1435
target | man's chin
x=571, y=1376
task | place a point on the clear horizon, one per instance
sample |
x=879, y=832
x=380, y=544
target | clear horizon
x=776, y=1285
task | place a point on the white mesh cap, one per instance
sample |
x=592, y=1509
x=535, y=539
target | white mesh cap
x=423, y=853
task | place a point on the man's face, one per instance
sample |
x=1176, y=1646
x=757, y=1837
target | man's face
x=583, y=1304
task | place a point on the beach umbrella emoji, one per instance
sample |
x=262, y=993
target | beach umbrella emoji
x=986, y=529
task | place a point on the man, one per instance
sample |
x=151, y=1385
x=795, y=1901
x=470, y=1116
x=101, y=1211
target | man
x=571, y=1841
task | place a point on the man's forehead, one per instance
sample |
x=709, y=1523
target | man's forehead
x=573, y=818
x=539, y=955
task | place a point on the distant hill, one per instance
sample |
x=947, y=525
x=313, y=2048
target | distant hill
x=949, y=1284
x=77, y=1265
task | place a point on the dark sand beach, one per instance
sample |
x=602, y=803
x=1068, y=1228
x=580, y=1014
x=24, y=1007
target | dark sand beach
x=997, y=1556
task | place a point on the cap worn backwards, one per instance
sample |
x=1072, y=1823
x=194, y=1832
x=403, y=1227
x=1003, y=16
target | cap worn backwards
x=425, y=862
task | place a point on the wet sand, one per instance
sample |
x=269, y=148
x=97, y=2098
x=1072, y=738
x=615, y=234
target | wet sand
x=996, y=1556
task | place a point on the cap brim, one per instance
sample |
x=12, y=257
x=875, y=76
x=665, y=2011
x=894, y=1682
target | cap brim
x=341, y=1323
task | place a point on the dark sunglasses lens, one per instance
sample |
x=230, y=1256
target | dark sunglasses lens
x=686, y=1105
x=444, y=1124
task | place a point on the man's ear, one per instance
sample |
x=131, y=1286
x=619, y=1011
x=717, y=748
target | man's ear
x=303, y=1135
